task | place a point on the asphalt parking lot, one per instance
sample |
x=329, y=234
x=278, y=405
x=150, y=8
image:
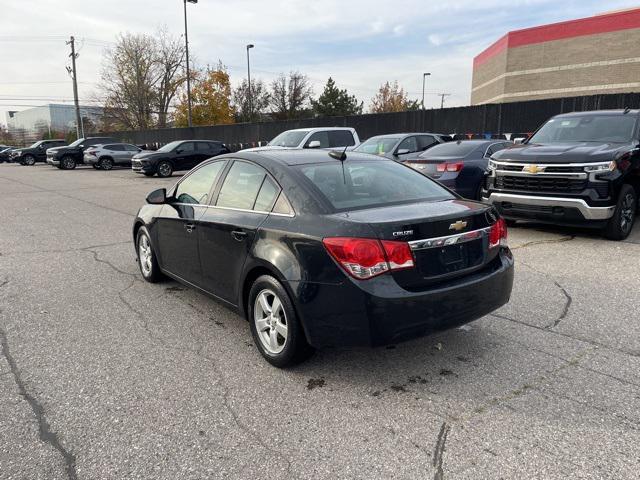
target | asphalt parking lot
x=104, y=376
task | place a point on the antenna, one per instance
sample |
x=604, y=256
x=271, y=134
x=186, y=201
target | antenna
x=342, y=156
x=626, y=110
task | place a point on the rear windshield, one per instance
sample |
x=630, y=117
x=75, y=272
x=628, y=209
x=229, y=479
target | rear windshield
x=366, y=184
x=587, y=128
x=451, y=149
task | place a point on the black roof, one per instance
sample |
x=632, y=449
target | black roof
x=599, y=112
x=301, y=157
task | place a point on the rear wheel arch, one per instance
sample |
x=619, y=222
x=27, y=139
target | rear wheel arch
x=252, y=274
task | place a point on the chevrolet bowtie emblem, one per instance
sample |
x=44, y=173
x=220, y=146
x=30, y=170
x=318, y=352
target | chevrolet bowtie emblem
x=532, y=169
x=459, y=225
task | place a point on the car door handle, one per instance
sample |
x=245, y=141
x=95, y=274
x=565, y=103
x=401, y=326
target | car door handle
x=189, y=227
x=239, y=235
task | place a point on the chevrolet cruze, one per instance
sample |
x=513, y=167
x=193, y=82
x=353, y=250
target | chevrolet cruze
x=322, y=249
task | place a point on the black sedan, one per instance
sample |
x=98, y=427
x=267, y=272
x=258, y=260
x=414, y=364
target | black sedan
x=459, y=165
x=316, y=251
x=176, y=156
x=400, y=146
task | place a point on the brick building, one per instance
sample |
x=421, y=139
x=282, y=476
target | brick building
x=589, y=56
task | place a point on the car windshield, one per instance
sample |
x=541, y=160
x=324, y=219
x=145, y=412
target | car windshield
x=378, y=145
x=35, y=144
x=451, y=149
x=77, y=142
x=290, y=138
x=587, y=128
x=364, y=184
x=169, y=146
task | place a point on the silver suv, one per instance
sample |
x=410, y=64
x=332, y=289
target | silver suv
x=111, y=154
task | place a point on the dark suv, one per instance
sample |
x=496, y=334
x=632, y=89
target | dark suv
x=34, y=153
x=68, y=157
x=579, y=168
x=174, y=156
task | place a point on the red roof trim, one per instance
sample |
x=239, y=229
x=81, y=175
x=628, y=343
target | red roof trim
x=611, y=22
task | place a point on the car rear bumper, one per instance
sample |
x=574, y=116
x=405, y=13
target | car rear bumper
x=554, y=208
x=379, y=312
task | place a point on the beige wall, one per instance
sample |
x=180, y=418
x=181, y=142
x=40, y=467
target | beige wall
x=603, y=63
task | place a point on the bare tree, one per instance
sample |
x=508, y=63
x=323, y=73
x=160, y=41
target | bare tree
x=290, y=97
x=140, y=78
x=248, y=111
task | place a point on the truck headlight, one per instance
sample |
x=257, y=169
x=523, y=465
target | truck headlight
x=492, y=165
x=601, y=167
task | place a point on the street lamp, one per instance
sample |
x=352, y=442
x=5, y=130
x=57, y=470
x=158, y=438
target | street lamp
x=186, y=43
x=424, y=78
x=250, y=46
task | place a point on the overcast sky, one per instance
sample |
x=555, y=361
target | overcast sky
x=360, y=43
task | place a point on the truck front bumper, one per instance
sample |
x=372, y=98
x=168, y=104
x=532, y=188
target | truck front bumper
x=514, y=206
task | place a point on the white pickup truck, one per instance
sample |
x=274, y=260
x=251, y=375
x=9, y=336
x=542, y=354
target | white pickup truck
x=321, y=137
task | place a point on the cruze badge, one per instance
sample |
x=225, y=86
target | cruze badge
x=459, y=225
x=404, y=233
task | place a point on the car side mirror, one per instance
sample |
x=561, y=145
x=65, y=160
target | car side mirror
x=314, y=144
x=518, y=141
x=157, y=197
x=179, y=150
x=402, y=151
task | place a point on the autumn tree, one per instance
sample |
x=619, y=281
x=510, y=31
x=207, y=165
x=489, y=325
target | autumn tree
x=391, y=98
x=210, y=99
x=249, y=111
x=334, y=101
x=290, y=96
x=141, y=75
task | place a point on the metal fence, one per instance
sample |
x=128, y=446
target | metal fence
x=479, y=120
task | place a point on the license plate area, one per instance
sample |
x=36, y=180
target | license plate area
x=435, y=262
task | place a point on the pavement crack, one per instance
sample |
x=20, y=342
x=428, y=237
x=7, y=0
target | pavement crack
x=97, y=258
x=565, y=309
x=439, y=450
x=46, y=434
x=567, y=238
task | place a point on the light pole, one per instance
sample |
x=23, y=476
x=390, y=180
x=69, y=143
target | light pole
x=186, y=44
x=424, y=78
x=250, y=46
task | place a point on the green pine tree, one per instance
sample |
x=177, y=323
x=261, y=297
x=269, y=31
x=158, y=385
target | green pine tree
x=335, y=102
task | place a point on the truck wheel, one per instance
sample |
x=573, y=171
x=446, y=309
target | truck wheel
x=620, y=225
x=275, y=327
x=164, y=169
x=68, y=162
x=29, y=160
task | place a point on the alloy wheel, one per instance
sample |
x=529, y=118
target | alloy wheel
x=627, y=212
x=164, y=169
x=68, y=163
x=270, y=321
x=29, y=160
x=145, y=254
x=106, y=164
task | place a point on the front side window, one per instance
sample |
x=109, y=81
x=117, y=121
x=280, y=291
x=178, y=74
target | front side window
x=426, y=141
x=587, y=128
x=241, y=186
x=322, y=137
x=365, y=184
x=196, y=187
x=115, y=148
x=410, y=144
x=186, y=147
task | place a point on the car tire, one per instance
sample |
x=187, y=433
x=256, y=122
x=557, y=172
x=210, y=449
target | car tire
x=147, y=257
x=29, y=160
x=165, y=169
x=620, y=225
x=106, y=163
x=68, y=162
x=268, y=327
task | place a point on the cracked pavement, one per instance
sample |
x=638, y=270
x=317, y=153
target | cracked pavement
x=103, y=376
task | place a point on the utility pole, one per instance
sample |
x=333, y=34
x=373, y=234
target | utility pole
x=442, y=96
x=74, y=76
x=250, y=46
x=186, y=46
x=424, y=78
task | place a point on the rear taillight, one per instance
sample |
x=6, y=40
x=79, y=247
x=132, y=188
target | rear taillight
x=498, y=233
x=449, y=167
x=364, y=258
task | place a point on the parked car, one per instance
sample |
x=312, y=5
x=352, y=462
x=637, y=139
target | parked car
x=323, y=137
x=67, y=158
x=109, y=155
x=579, y=168
x=34, y=153
x=318, y=251
x=460, y=165
x=5, y=153
x=400, y=146
x=176, y=156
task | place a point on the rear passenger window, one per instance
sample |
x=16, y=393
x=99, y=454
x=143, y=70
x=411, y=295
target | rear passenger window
x=241, y=186
x=341, y=138
x=266, y=196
